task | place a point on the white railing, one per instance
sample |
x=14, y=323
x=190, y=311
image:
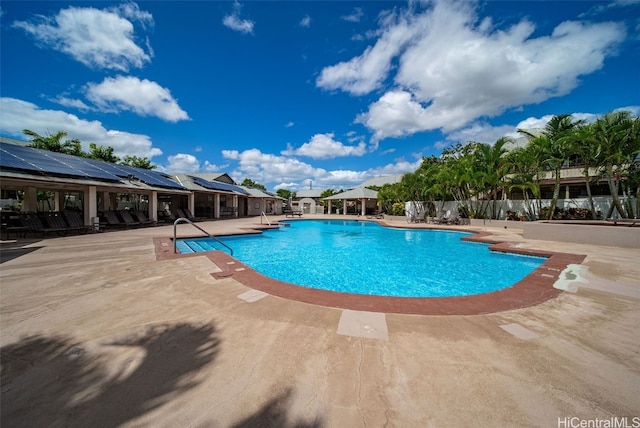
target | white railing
x=265, y=217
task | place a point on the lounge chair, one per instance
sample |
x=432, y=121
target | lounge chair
x=186, y=213
x=228, y=212
x=32, y=223
x=112, y=220
x=143, y=219
x=376, y=214
x=439, y=218
x=190, y=215
x=166, y=216
x=292, y=213
x=127, y=218
x=181, y=214
x=75, y=221
x=57, y=221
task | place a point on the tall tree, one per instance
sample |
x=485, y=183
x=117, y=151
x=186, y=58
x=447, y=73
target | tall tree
x=584, y=145
x=247, y=182
x=524, y=175
x=52, y=142
x=138, y=162
x=554, y=144
x=618, y=137
x=285, y=193
x=388, y=195
x=102, y=153
x=492, y=165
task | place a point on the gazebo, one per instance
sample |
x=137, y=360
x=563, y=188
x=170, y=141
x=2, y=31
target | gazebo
x=361, y=194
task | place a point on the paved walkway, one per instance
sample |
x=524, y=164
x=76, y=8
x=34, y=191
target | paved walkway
x=95, y=331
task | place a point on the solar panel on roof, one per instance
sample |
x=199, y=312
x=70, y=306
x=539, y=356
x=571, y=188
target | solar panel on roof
x=9, y=160
x=41, y=161
x=44, y=162
x=82, y=165
x=150, y=177
x=155, y=178
x=217, y=185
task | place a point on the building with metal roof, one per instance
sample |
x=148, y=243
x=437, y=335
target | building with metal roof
x=34, y=180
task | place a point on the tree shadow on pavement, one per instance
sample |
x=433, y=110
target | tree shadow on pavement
x=275, y=414
x=54, y=381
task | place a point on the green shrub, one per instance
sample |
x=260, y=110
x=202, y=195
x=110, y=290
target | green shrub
x=397, y=209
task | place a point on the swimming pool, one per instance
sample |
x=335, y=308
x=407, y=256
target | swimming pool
x=363, y=257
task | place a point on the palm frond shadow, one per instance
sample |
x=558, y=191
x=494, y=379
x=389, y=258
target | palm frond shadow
x=275, y=414
x=54, y=381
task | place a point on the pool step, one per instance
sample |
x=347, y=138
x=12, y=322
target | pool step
x=183, y=247
x=189, y=246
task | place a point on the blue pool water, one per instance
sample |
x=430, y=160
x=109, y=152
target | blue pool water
x=366, y=258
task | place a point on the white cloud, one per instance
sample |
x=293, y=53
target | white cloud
x=305, y=22
x=132, y=11
x=268, y=168
x=289, y=125
x=18, y=115
x=101, y=39
x=401, y=166
x=353, y=16
x=70, y=102
x=452, y=69
x=531, y=123
x=295, y=175
x=396, y=114
x=635, y=110
x=480, y=132
x=234, y=21
x=143, y=97
x=604, y=6
x=210, y=167
x=367, y=72
x=182, y=162
x=323, y=146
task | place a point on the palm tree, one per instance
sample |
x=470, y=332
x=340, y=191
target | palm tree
x=388, y=195
x=524, y=173
x=52, y=142
x=492, y=164
x=102, y=153
x=583, y=144
x=138, y=162
x=554, y=144
x=411, y=187
x=618, y=137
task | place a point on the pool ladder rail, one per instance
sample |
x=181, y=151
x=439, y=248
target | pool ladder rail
x=186, y=220
x=264, y=215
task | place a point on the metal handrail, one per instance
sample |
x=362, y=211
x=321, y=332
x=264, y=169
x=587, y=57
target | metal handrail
x=186, y=220
x=265, y=217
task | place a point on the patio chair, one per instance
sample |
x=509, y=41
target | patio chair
x=185, y=213
x=190, y=215
x=439, y=218
x=32, y=223
x=112, y=220
x=75, y=221
x=127, y=218
x=56, y=220
x=166, y=216
x=143, y=219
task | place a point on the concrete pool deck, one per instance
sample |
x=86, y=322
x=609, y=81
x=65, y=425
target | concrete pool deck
x=96, y=331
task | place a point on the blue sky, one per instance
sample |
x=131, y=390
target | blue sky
x=298, y=93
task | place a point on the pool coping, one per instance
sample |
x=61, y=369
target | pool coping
x=535, y=288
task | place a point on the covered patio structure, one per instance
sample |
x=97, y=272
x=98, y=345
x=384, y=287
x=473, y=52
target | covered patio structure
x=368, y=200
